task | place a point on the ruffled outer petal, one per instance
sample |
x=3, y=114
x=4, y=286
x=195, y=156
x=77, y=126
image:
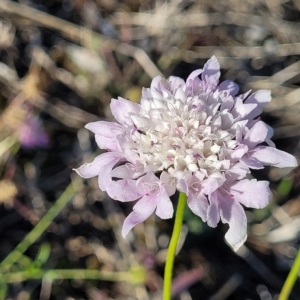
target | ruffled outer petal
x=175, y=83
x=108, y=143
x=104, y=177
x=155, y=83
x=242, y=110
x=256, y=135
x=252, y=163
x=128, y=171
x=152, y=187
x=211, y=73
x=273, y=157
x=236, y=172
x=193, y=75
x=198, y=205
x=251, y=193
x=141, y=211
x=106, y=129
x=233, y=214
x=230, y=86
x=89, y=170
x=101, y=166
x=124, y=190
x=168, y=182
x=213, y=214
x=164, y=208
x=155, y=197
x=122, y=109
x=141, y=122
x=212, y=183
x=93, y=169
x=261, y=98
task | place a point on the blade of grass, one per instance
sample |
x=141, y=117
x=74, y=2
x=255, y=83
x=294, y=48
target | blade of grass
x=38, y=230
x=291, y=279
x=67, y=274
x=43, y=255
x=3, y=287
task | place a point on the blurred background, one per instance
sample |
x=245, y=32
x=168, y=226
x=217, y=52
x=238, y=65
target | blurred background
x=61, y=62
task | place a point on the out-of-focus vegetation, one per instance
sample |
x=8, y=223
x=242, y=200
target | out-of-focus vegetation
x=61, y=61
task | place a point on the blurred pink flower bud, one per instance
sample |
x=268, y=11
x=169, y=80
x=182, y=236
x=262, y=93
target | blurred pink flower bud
x=31, y=134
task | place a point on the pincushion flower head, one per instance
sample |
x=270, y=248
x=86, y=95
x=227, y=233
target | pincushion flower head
x=197, y=136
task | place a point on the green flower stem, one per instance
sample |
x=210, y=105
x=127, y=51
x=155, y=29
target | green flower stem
x=172, y=247
x=291, y=279
x=38, y=230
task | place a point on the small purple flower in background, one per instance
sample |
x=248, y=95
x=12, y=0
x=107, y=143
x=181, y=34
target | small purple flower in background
x=31, y=134
x=196, y=136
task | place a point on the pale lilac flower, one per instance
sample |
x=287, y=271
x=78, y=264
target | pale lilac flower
x=196, y=136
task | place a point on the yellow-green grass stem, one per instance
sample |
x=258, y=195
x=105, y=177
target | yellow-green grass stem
x=167, y=292
x=291, y=279
x=20, y=276
x=39, y=229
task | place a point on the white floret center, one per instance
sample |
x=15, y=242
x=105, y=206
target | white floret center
x=180, y=137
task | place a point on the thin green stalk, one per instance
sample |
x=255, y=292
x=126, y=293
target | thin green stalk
x=38, y=230
x=291, y=279
x=167, y=293
x=67, y=274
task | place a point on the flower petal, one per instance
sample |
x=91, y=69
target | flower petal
x=168, y=182
x=124, y=190
x=122, y=109
x=242, y=110
x=256, y=135
x=273, y=157
x=89, y=170
x=236, y=172
x=141, y=122
x=93, y=169
x=198, y=205
x=104, y=177
x=141, y=211
x=164, y=208
x=175, y=83
x=101, y=166
x=106, y=129
x=128, y=171
x=211, y=72
x=239, y=152
x=252, y=163
x=261, y=98
x=214, y=181
x=193, y=75
x=251, y=193
x=156, y=83
x=107, y=143
x=230, y=86
x=213, y=214
x=233, y=214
